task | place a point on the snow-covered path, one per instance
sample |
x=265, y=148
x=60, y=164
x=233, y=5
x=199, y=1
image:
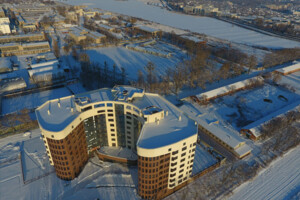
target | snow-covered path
x=281, y=180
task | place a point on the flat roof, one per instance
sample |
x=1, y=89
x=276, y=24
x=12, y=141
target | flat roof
x=295, y=66
x=169, y=130
x=147, y=28
x=210, y=123
x=227, y=88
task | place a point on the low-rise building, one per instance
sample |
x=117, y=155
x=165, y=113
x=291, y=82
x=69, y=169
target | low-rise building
x=5, y=25
x=289, y=69
x=11, y=84
x=148, y=30
x=23, y=38
x=14, y=49
x=80, y=34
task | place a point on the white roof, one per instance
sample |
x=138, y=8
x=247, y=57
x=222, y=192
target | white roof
x=5, y=62
x=227, y=88
x=210, y=123
x=35, y=43
x=31, y=72
x=147, y=28
x=295, y=66
x=169, y=130
x=12, y=84
x=42, y=64
x=192, y=38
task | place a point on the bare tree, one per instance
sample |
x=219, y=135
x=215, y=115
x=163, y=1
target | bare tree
x=56, y=48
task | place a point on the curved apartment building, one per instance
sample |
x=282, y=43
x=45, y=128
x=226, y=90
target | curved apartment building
x=163, y=138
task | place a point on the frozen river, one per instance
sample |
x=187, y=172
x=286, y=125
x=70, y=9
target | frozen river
x=205, y=25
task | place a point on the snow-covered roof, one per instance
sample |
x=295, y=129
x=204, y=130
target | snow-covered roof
x=105, y=26
x=210, y=123
x=42, y=64
x=227, y=88
x=35, y=43
x=295, y=66
x=12, y=84
x=96, y=34
x=192, y=38
x=175, y=126
x=9, y=44
x=35, y=71
x=5, y=63
x=147, y=28
x=255, y=127
x=22, y=35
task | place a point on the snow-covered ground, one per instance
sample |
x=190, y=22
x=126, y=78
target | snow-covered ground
x=205, y=25
x=133, y=61
x=29, y=101
x=281, y=180
x=292, y=80
x=98, y=179
x=247, y=106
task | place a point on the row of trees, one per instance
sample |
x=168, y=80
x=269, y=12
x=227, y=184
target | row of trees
x=281, y=56
x=269, y=129
x=94, y=75
x=193, y=73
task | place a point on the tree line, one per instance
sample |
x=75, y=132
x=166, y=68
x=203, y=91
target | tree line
x=94, y=75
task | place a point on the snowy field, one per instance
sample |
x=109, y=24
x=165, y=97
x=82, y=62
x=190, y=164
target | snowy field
x=98, y=179
x=205, y=25
x=30, y=101
x=281, y=180
x=247, y=106
x=133, y=61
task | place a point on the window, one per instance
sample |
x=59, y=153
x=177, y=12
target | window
x=181, y=165
x=174, y=153
x=183, y=154
x=99, y=105
x=184, y=148
x=128, y=107
x=101, y=111
x=86, y=108
x=112, y=130
x=109, y=105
